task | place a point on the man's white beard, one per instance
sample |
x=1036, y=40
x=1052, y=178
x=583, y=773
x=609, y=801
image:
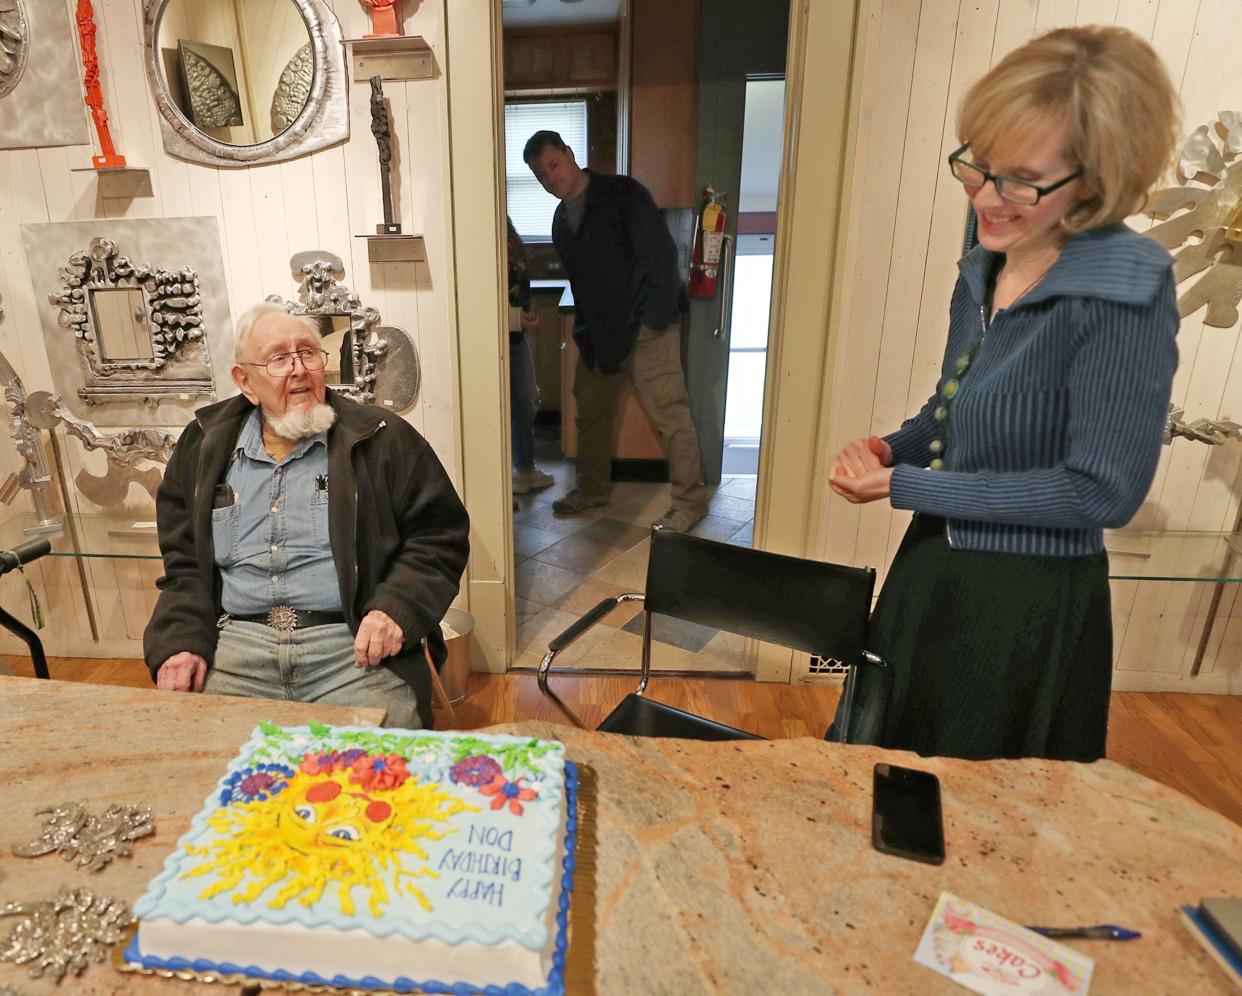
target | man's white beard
x=303, y=423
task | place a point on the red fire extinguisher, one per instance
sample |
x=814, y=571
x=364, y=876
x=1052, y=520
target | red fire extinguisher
x=708, y=240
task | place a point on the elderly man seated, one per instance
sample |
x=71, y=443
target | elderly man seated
x=311, y=544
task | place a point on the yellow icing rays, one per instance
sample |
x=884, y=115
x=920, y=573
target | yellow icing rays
x=325, y=830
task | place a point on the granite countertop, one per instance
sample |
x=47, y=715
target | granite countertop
x=734, y=867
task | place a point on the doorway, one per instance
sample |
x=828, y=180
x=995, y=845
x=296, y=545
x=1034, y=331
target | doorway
x=699, y=106
x=750, y=283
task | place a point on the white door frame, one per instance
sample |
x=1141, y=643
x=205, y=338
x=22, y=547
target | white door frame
x=807, y=286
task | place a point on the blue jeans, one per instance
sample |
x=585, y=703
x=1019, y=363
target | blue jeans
x=306, y=665
x=522, y=393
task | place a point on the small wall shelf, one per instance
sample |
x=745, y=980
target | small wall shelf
x=397, y=57
x=120, y=181
x=395, y=248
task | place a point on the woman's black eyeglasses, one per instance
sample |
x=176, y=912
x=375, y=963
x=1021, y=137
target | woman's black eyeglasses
x=1015, y=191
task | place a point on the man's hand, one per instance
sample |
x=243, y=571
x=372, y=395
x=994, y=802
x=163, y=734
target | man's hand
x=528, y=320
x=183, y=672
x=378, y=637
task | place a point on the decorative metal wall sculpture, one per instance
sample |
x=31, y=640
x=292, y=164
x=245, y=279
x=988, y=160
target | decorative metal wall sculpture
x=40, y=97
x=1214, y=212
x=138, y=322
x=35, y=474
x=172, y=316
x=108, y=158
x=209, y=79
x=378, y=364
x=14, y=43
x=383, y=140
x=321, y=121
x=1214, y=432
x=293, y=90
x=124, y=450
x=385, y=18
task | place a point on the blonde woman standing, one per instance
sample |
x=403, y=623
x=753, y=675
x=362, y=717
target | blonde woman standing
x=1047, y=420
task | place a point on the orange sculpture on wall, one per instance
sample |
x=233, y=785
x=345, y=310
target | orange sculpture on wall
x=385, y=18
x=108, y=158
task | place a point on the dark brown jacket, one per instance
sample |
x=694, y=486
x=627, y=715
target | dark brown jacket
x=399, y=534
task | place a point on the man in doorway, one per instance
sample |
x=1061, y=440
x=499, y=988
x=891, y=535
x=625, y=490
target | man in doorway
x=311, y=544
x=622, y=266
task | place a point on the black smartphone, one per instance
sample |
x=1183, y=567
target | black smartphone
x=905, y=814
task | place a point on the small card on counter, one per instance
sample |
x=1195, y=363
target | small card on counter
x=990, y=955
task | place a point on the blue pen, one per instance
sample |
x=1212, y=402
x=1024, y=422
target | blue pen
x=1101, y=932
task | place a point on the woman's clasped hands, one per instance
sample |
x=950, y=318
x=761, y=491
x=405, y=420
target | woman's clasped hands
x=861, y=472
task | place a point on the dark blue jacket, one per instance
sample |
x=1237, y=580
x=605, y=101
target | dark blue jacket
x=1056, y=430
x=622, y=266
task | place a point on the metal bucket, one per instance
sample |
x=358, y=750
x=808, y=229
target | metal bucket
x=455, y=675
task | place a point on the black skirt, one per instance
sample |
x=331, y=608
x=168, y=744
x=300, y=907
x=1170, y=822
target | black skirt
x=994, y=654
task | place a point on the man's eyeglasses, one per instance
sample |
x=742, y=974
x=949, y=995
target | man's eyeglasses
x=1021, y=192
x=281, y=364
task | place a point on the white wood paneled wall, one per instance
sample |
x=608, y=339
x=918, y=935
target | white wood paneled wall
x=265, y=214
x=904, y=237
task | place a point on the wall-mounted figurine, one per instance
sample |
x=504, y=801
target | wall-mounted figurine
x=383, y=139
x=385, y=18
x=108, y=157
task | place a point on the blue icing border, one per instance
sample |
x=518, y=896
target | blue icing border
x=556, y=978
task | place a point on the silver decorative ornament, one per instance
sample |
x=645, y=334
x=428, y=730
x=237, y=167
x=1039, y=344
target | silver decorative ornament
x=64, y=935
x=1231, y=121
x=89, y=841
x=1200, y=155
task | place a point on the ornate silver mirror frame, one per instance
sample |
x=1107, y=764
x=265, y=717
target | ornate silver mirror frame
x=14, y=44
x=166, y=307
x=384, y=361
x=322, y=122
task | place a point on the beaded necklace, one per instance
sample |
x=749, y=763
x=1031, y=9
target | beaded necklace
x=951, y=385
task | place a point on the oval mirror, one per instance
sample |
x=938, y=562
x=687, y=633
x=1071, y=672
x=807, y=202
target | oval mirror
x=246, y=81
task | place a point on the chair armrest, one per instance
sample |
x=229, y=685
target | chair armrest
x=575, y=630
x=583, y=623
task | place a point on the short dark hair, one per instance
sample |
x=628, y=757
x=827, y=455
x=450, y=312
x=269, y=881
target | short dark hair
x=540, y=141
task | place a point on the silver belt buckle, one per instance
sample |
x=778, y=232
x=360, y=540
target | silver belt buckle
x=282, y=617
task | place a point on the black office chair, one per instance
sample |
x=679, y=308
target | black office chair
x=806, y=605
x=10, y=559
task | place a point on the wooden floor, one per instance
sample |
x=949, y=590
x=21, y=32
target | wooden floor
x=1192, y=743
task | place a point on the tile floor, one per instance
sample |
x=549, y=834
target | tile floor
x=565, y=565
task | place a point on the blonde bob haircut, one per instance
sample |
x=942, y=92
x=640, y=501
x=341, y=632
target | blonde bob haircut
x=1110, y=90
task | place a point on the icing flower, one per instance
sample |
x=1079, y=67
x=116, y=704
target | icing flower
x=255, y=783
x=378, y=774
x=506, y=791
x=475, y=771
x=329, y=761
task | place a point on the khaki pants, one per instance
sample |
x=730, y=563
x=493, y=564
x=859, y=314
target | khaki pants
x=653, y=367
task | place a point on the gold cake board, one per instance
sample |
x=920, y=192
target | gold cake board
x=579, y=976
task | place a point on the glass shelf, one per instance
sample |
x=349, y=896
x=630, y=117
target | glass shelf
x=98, y=535
x=1174, y=556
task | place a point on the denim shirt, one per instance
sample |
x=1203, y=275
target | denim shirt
x=271, y=538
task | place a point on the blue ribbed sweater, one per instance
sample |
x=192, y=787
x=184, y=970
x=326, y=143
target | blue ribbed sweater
x=1055, y=432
